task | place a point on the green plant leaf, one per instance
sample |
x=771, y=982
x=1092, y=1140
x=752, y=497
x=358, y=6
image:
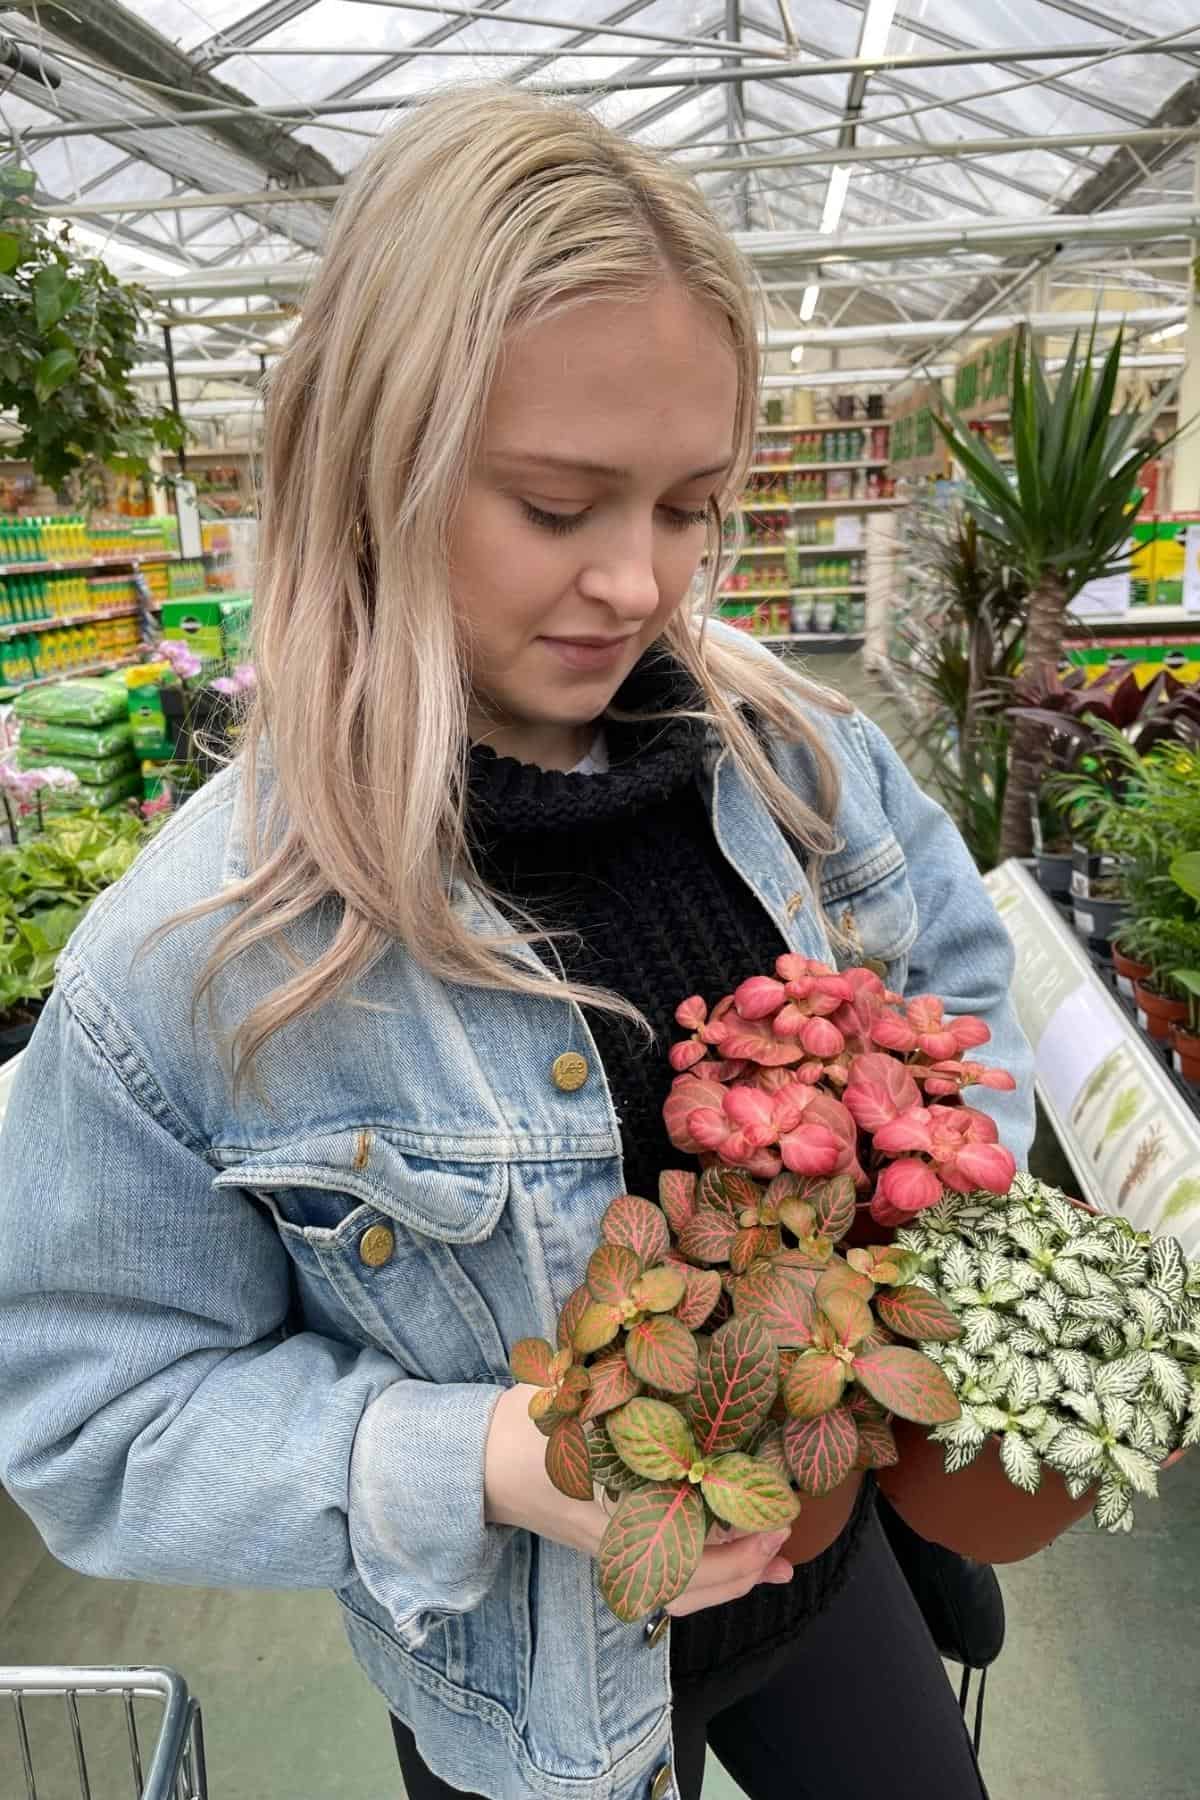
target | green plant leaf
x=531, y=1361
x=913, y=1312
x=662, y=1353
x=768, y=1448
x=702, y=1293
x=1185, y=872
x=799, y=1215
x=654, y=1440
x=836, y=1203
x=711, y=1191
x=708, y=1236
x=660, y=1290
x=611, y=1273
x=876, y=1444
x=907, y=1383
x=613, y=1383
x=650, y=1550
x=781, y=1297
x=748, y=1494
x=822, y=1451
x=639, y=1226
x=568, y=1462
x=570, y=1316
x=10, y=251
x=598, y=1325
x=608, y=1471
x=814, y=1384
x=736, y=1387
x=677, y=1197
x=55, y=368
x=843, y=1304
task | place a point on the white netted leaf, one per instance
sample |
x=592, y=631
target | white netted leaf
x=1170, y=1382
x=1189, y=1437
x=988, y=1417
x=1071, y=1275
x=1074, y=1333
x=1167, y=1268
x=1076, y=1451
x=1186, y=1340
x=1118, y=1414
x=1072, y=1368
x=961, y=1456
x=1149, y=1309
x=1092, y=1247
x=1049, y=1385
x=1137, y=1469
x=1151, y=1431
x=1039, y=1315
x=1022, y=1383
x=959, y=1267
x=1113, y=1510
x=1028, y=1236
x=1087, y=1406
x=963, y=1430
x=1078, y=1485
x=1125, y=1375
x=1020, y=1461
x=1108, y=1340
x=1100, y=1309
x=1024, y=1341
x=981, y=1327
x=1046, y=1434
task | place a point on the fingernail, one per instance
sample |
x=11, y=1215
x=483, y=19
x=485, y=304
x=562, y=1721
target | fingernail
x=777, y=1577
x=775, y=1541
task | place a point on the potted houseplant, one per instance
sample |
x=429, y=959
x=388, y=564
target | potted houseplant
x=724, y=1360
x=1062, y=514
x=1078, y=1371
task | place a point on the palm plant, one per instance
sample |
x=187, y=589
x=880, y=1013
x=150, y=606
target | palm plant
x=1064, y=518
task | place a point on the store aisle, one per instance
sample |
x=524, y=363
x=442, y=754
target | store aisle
x=1092, y=1699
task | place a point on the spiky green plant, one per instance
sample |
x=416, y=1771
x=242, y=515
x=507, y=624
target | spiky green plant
x=1063, y=519
x=1081, y=1341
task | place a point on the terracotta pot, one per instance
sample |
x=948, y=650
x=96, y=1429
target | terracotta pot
x=1185, y=1053
x=1128, y=971
x=823, y=1520
x=1157, y=1014
x=976, y=1512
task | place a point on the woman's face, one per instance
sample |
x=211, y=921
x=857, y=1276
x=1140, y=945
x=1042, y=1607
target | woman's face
x=608, y=431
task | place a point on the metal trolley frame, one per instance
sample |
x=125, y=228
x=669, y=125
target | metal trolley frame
x=175, y=1769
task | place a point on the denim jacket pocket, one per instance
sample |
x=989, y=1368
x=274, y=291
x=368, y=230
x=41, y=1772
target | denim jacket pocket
x=870, y=902
x=392, y=1250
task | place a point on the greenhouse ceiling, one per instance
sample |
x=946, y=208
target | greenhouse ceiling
x=922, y=162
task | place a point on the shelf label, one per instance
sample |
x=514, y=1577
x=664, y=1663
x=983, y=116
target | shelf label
x=847, y=532
x=1132, y=1140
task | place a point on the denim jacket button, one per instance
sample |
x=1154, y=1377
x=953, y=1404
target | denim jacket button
x=657, y=1628
x=376, y=1245
x=569, y=1072
x=661, y=1785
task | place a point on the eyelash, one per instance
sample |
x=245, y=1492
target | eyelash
x=679, y=518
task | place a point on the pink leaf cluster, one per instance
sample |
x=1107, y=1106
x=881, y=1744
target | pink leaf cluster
x=825, y=1072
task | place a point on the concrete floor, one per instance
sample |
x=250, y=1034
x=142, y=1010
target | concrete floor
x=1094, y=1697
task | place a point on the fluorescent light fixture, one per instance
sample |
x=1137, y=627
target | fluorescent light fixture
x=1169, y=331
x=876, y=26
x=808, y=305
x=797, y=355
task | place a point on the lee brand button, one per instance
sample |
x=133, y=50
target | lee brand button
x=376, y=1245
x=569, y=1072
x=660, y=1787
x=876, y=966
x=657, y=1628
x=794, y=903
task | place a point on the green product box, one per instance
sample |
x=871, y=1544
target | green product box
x=215, y=627
x=92, y=771
x=151, y=735
x=1143, y=563
x=1170, y=557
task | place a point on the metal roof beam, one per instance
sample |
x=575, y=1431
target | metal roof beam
x=1088, y=15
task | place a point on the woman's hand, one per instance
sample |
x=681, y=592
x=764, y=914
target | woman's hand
x=518, y=1491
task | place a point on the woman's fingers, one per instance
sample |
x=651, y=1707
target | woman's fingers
x=728, y=1571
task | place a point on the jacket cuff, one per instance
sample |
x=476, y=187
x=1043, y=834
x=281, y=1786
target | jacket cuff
x=417, y=1529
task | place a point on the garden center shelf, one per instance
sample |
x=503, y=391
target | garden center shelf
x=782, y=593
x=61, y=675
x=843, y=505
x=1128, y=1125
x=766, y=506
x=808, y=468
x=22, y=626
x=816, y=640
x=819, y=425
x=135, y=559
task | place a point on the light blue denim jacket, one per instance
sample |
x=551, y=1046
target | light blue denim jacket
x=211, y=1375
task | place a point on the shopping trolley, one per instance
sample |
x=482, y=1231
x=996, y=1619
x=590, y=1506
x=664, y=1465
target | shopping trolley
x=175, y=1769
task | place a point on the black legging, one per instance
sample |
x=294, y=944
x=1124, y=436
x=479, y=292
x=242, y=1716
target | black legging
x=858, y=1706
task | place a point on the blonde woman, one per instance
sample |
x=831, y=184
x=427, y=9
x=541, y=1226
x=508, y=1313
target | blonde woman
x=336, y=1085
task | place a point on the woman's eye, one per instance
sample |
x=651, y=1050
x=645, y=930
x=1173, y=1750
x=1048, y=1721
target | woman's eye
x=559, y=523
x=685, y=518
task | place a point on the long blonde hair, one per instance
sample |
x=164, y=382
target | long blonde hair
x=485, y=209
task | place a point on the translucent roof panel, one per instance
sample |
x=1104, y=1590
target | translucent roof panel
x=304, y=86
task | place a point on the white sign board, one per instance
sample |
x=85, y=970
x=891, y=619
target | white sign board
x=1131, y=1138
x=847, y=532
x=1108, y=598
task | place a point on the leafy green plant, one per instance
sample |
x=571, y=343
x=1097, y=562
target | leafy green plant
x=69, y=333
x=702, y=1387
x=1081, y=1342
x=1063, y=520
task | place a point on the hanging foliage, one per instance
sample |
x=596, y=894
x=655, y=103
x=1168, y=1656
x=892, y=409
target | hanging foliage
x=69, y=333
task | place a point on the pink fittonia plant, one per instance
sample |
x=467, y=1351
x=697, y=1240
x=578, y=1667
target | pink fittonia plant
x=824, y=1073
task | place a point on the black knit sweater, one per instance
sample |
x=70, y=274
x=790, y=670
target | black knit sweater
x=626, y=862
